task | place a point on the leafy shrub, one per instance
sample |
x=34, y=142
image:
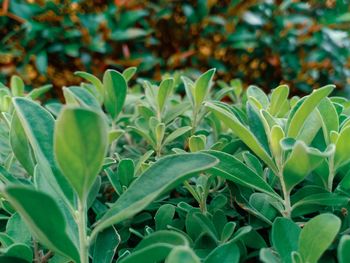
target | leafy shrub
x=262, y=42
x=130, y=175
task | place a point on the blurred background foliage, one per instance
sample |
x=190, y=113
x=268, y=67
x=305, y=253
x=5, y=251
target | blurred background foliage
x=305, y=44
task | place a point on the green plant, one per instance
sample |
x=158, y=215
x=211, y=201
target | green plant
x=143, y=175
x=303, y=43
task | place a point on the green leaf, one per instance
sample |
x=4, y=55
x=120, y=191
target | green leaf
x=329, y=117
x=317, y=235
x=156, y=247
x=44, y=218
x=115, y=88
x=344, y=249
x=276, y=136
x=182, y=254
x=267, y=255
x=82, y=96
x=160, y=177
x=129, y=73
x=298, y=118
x=341, y=156
x=165, y=89
x=321, y=199
x=175, y=134
x=164, y=216
x=126, y=171
x=259, y=95
x=202, y=87
x=234, y=170
x=243, y=133
x=189, y=88
x=18, y=251
x=279, y=97
x=301, y=162
x=106, y=245
x=18, y=230
x=92, y=79
x=265, y=207
x=197, y=143
x=38, y=92
x=285, y=237
x=80, y=146
x=226, y=253
x=114, y=135
x=256, y=126
x=38, y=125
x=17, y=86
x=20, y=145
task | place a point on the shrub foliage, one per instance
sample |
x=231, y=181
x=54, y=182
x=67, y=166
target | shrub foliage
x=262, y=42
x=146, y=175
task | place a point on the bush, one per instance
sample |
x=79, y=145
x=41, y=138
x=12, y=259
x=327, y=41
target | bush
x=263, y=43
x=147, y=175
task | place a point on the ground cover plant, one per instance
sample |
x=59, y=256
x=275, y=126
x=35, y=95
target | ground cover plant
x=125, y=172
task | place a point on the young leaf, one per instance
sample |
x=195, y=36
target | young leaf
x=82, y=96
x=344, y=249
x=296, y=120
x=317, y=235
x=243, y=133
x=234, y=170
x=164, y=216
x=126, y=171
x=165, y=89
x=182, y=254
x=21, y=146
x=38, y=92
x=177, y=133
x=301, y=162
x=92, y=79
x=279, y=97
x=17, y=86
x=329, y=117
x=202, y=86
x=225, y=253
x=163, y=175
x=115, y=89
x=44, y=218
x=285, y=237
x=80, y=146
x=276, y=136
x=197, y=143
x=259, y=95
x=156, y=247
x=105, y=246
x=342, y=148
x=129, y=73
x=38, y=125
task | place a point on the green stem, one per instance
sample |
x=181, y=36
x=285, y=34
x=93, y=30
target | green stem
x=114, y=144
x=194, y=121
x=192, y=191
x=84, y=253
x=286, y=193
x=331, y=173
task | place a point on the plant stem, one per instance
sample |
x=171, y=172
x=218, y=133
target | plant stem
x=113, y=145
x=331, y=173
x=84, y=253
x=286, y=194
x=194, y=121
x=36, y=251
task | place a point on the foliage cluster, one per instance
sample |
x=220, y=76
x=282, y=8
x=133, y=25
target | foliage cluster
x=261, y=42
x=145, y=175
